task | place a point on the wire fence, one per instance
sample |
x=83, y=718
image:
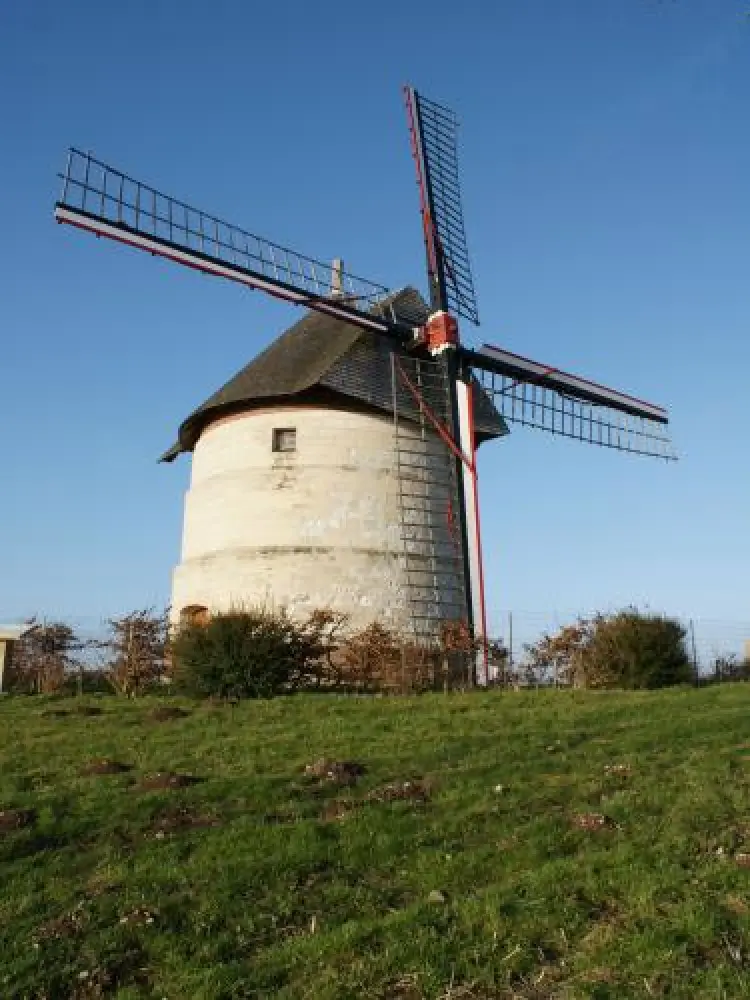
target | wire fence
x=713, y=645
x=709, y=642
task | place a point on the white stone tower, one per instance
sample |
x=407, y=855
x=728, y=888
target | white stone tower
x=295, y=499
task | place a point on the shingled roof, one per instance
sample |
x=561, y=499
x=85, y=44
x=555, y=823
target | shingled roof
x=321, y=358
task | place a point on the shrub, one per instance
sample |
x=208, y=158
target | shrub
x=636, y=650
x=730, y=668
x=558, y=658
x=42, y=658
x=628, y=650
x=137, y=644
x=86, y=681
x=379, y=659
x=371, y=659
x=249, y=653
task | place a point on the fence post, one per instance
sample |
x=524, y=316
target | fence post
x=509, y=679
x=693, y=650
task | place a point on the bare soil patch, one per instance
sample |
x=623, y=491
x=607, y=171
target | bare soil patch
x=16, y=819
x=163, y=780
x=401, y=791
x=279, y=817
x=105, y=766
x=621, y=770
x=66, y=926
x=736, y=905
x=336, y=772
x=70, y=713
x=177, y=820
x=593, y=821
x=339, y=809
x=104, y=980
x=417, y=791
x=141, y=916
x=599, y=974
x=404, y=988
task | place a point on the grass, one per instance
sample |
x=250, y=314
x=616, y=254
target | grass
x=488, y=888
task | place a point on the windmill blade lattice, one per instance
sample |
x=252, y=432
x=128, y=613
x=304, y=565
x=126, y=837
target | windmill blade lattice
x=554, y=411
x=431, y=393
x=433, y=131
x=108, y=202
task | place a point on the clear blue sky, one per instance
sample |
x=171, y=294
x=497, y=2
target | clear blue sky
x=606, y=166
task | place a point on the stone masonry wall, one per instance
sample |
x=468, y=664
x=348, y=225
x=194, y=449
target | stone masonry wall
x=318, y=527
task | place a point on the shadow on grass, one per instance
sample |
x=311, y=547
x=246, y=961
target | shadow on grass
x=28, y=844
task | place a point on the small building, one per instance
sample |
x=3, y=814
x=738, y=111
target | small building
x=9, y=636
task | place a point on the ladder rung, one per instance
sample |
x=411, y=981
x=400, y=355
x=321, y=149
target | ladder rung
x=408, y=484
x=436, y=575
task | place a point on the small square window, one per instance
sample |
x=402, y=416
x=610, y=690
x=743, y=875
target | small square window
x=284, y=439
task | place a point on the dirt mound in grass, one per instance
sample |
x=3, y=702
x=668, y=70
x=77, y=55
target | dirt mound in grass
x=66, y=926
x=67, y=713
x=16, y=819
x=593, y=821
x=339, y=809
x=105, y=766
x=395, y=791
x=336, y=772
x=128, y=968
x=279, y=817
x=141, y=916
x=401, y=791
x=168, y=779
x=168, y=713
x=406, y=988
x=179, y=820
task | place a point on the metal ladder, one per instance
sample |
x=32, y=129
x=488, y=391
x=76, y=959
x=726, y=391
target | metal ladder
x=427, y=501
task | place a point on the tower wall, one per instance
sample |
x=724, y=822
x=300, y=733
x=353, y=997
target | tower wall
x=316, y=527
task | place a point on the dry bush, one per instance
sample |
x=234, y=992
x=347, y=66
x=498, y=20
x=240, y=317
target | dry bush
x=730, y=668
x=629, y=649
x=138, y=647
x=500, y=659
x=559, y=658
x=324, y=627
x=260, y=652
x=378, y=659
x=43, y=658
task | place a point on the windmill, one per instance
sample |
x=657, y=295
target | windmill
x=392, y=363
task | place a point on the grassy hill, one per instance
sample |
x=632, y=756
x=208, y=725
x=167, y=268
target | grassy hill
x=529, y=845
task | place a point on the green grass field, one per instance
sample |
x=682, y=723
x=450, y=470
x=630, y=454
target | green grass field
x=261, y=881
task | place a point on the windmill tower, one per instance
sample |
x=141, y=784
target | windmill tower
x=306, y=480
x=339, y=467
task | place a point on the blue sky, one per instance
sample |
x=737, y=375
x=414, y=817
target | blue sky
x=605, y=156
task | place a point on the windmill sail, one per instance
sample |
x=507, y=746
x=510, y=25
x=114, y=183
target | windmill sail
x=535, y=395
x=433, y=131
x=102, y=200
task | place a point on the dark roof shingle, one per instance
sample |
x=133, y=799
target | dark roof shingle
x=321, y=352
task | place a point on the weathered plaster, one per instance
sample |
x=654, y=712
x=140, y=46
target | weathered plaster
x=318, y=527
